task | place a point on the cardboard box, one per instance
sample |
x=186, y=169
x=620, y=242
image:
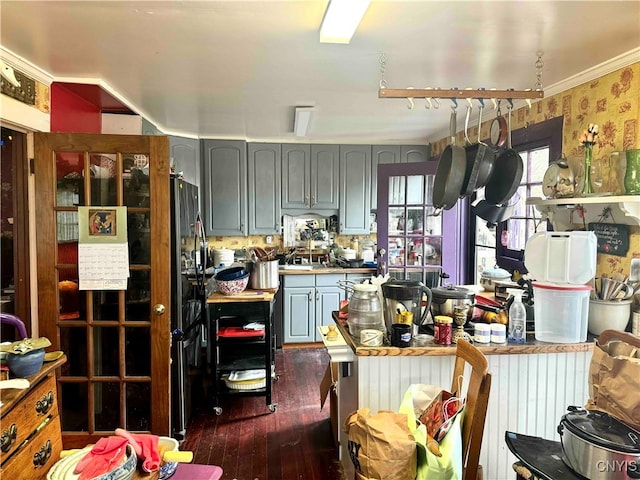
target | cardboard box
x=328, y=388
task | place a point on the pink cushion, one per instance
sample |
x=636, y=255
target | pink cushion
x=193, y=471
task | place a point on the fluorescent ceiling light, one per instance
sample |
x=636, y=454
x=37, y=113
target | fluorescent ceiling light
x=341, y=20
x=302, y=121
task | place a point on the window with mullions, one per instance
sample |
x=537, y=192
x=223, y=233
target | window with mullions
x=538, y=145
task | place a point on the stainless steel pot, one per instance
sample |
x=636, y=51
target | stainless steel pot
x=263, y=275
x=599, y=447
x=445, y=299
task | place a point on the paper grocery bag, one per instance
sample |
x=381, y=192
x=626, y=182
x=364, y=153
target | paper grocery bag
x=614, y=381
x=381, y=446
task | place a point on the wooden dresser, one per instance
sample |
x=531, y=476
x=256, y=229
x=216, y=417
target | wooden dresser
x=30, y=433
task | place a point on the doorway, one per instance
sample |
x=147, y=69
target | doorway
x=14, y=228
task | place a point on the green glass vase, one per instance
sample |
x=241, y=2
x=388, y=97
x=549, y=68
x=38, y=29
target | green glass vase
x=632, y=174
x=588, y=154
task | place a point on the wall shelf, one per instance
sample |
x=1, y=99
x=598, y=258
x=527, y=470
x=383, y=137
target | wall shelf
x=563, y=212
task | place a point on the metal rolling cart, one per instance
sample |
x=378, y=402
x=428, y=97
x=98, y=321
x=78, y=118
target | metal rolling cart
x=233, y=348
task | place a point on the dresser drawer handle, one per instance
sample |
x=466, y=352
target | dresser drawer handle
x=8, y=437
x=42, y=455
x=44, y=404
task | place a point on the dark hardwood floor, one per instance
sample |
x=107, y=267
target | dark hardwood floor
x=251, y=443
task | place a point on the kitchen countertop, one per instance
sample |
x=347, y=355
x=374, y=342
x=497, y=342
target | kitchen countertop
x=321, y=269
x=531, y=346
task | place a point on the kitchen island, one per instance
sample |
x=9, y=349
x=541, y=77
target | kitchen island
x=532, y=385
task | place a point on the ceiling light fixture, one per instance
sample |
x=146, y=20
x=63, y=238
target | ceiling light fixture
x=341, y=20
x=302, y=121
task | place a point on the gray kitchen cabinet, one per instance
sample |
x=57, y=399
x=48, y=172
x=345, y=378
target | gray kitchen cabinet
x=381, y=154
x=185, y=158
x=264, y=188
x=355, y=189
x=308, y=303
x=414, y=153
x=224, y=182
x=310, y=177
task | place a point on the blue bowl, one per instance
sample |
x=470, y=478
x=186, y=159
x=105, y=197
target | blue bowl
x=26, y=365
x=231, y=273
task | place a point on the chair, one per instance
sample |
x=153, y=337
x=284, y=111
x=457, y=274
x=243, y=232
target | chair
x=477, y=399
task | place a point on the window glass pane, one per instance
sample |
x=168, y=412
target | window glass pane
x=486, y=258
x=73, y=404
x=138, y=301
x=396, y=221
x=73, y=341
x=415, y=220
x=67, y=227
x=135, y=175
x=106, y=356
x=539, y=161
x=137, y=351
x=106, y=404
x=433, y=223
x=396, y=190
x=429, y=192
x=71, y=301
x=105, y=305
x=138, y=406
x=415, y=189
x=139, y=235
x=396, y=251
x=485, y=236
x=516, y=234
x=433, y=250
x=69, y=178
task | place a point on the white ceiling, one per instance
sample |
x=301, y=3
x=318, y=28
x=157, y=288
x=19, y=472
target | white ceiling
x=237, y=69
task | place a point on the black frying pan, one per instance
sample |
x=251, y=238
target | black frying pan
x=482, y=163
x=449, y=177
x=506, y=174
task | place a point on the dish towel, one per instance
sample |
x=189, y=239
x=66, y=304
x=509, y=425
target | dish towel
x=145, y=446
x=105, y=455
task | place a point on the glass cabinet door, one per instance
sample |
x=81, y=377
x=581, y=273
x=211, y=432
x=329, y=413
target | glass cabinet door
x=116, y=341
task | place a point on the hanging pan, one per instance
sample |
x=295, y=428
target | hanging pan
x=449, y=177
x=506, y=173
x=482, y=164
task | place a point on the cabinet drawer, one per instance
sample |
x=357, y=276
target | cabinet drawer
x=36, y=458
x=299, y=280
x=25, y=417
x=328, y=279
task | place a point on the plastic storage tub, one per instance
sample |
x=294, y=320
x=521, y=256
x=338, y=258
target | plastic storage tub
x=561, y=312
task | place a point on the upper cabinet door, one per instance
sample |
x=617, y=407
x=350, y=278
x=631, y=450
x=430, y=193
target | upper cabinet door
x=224, y=184
x=355, y=184
x=415, y=153
x=185, y=158
x=324, y=176
x=264, y=188
x=296, y=176
x=92, y=192
x=381, y=154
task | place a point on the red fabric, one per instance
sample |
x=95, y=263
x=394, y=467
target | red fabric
x=132, y=441
x=105, y=455
x=150, y=454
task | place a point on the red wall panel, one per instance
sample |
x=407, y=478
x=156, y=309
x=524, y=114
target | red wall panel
x=72, y=114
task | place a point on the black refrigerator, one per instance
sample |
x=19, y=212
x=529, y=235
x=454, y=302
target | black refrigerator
x=188, y=297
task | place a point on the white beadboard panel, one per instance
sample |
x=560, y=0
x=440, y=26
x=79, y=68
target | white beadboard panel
x=529, y=394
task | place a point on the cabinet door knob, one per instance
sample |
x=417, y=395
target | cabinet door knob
x=159, y=309
x=310, y=295
x=313, y=201
x=42, y=455
x=44, y=404
x=306, y=201
x=8, y=437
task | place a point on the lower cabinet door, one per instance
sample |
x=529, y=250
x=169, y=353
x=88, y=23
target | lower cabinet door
x=327, y=301
x=299, y=314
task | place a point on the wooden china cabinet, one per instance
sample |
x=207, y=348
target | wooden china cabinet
x=117, y=341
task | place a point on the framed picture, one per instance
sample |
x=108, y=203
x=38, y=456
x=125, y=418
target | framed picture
x=102, y=222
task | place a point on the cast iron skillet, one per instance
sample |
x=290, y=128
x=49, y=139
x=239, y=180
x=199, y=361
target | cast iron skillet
x=506, y=174
x=450, y=172
x=482, y=164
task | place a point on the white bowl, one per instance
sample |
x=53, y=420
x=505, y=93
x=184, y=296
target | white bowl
x=608, y=315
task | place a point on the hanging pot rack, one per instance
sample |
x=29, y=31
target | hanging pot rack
x=455, y=93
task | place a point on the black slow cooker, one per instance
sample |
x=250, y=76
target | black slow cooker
x=598, y=446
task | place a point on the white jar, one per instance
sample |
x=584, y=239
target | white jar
x=498, y=333
x=482, y=333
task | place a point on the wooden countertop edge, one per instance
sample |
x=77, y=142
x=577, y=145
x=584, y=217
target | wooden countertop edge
x=10, y=396
x=321, y=271
x=437, y=350
x=246, y=296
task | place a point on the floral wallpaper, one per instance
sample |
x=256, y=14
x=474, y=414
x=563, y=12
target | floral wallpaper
x=612, y=102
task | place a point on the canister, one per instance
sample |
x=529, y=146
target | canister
x=498, y=333
x=482, y=333
x=442, y=326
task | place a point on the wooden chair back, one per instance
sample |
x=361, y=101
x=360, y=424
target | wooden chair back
x=477, y=399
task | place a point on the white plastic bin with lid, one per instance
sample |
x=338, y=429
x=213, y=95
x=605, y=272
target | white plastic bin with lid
x=561, y=263
x=561, y=312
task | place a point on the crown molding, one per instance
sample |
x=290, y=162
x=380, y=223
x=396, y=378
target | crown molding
x=25, y=67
